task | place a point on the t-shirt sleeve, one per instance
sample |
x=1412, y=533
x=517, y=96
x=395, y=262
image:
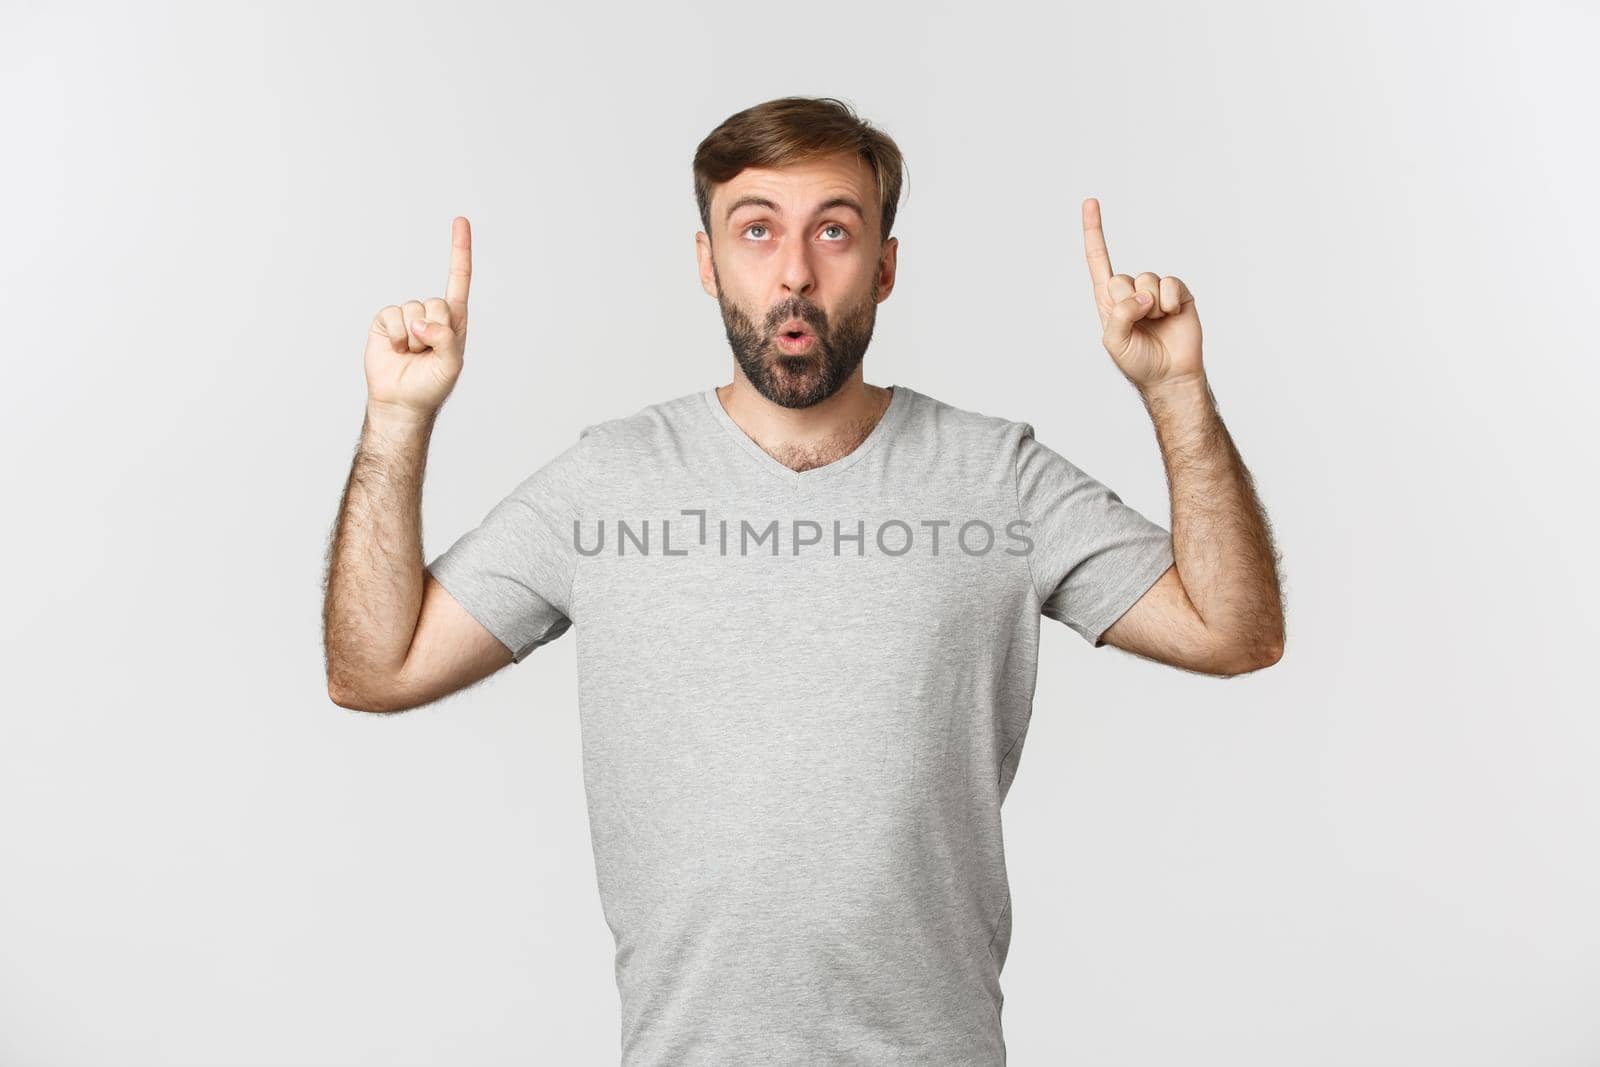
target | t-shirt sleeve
x=513, y=572
x=1093, y=556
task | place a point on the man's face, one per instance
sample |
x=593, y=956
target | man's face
x=797, y=249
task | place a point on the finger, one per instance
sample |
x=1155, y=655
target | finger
x=1181, y=294
x=1119, y=287
x=1119, y=326
x=1150, y=282
x=460, y=279
x=1174, y=295
x=438, y=333
x=1094, y=244
x=394, y=327
x=434, y=335
x=413, y=311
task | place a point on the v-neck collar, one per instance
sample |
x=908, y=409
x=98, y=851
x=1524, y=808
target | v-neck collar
x=887, y=424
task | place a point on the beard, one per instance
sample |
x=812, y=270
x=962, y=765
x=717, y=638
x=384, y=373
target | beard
x=807, y=378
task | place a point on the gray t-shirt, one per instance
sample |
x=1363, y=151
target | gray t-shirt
x=803, y=697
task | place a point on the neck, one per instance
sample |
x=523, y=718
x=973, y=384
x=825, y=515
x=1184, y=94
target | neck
x=803, y=438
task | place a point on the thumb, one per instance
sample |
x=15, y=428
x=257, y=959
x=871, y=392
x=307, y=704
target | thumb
x=432, y=334
x=1124, y=313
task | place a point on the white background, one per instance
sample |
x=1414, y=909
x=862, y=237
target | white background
x=1384, y=850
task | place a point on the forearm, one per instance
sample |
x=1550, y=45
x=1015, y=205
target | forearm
x=375, y=568
x=1221, y=540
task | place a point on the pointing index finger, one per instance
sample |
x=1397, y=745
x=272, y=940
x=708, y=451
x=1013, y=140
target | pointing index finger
x=1094, y=244
x=460, y=279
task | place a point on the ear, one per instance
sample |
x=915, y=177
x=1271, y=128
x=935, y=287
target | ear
x=702, y=252
x=887, y=263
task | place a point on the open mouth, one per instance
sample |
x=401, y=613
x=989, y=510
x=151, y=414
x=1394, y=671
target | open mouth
x=795, y=341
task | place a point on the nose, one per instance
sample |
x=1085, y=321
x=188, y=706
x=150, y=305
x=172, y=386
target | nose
x=795, y=271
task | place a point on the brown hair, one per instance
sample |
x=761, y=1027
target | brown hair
x=789, y=130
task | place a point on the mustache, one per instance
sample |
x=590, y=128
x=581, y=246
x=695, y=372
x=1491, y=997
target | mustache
x=815, y=321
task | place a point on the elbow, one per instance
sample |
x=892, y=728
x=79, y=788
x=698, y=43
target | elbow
x=345, y=695
x=1275, y=648
x=1249, y=657
x=346, y=699
x=1269, y=654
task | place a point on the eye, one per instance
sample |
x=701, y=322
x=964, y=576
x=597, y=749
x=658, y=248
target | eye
x=754, y=226
x=835, y=226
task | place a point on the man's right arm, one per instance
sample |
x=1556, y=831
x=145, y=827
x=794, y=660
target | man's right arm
x=394, y=638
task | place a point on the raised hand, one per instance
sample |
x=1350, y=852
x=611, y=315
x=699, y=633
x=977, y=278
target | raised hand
x=414, y=350
x=1155, y=342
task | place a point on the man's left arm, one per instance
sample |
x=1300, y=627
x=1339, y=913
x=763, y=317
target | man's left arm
x=1219, y=608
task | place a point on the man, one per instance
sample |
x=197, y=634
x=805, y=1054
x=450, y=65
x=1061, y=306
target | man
x=807, y=614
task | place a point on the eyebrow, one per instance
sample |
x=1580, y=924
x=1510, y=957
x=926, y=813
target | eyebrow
x=751, y=200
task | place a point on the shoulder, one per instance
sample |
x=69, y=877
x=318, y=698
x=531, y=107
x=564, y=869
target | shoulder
x=644, y=429
x=632, y=449
x=992, y=441
x=955, y=422
x=981, y=447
